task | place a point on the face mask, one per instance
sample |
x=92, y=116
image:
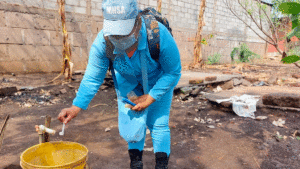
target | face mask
x=123, y=43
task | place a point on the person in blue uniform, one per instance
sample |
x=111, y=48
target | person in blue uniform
x=125, y=29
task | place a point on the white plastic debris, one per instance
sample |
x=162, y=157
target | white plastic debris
x=209, y=120
x=211, y=126
x=244, y=105
x=63, y=130
x=45, y=129
x=197, y=119
x=107, y=129
x=279, y=123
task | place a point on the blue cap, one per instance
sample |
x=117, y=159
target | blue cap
x=119, y=16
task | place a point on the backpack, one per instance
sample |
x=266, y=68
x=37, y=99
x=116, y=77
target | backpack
x=151, y=18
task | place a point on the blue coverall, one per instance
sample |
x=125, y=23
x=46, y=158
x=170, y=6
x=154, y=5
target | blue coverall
x=163, y=76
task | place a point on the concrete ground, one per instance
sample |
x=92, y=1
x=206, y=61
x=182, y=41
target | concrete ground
x=234, y=142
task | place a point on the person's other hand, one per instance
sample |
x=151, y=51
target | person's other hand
x=142, y=102
x=67, y=114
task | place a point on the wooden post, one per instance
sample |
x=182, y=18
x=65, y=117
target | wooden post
x=47, y=124
x=3, y=129
x=41, y=137
x=197, y=43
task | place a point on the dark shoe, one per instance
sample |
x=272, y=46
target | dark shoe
x=136, y=159
x=162, y=160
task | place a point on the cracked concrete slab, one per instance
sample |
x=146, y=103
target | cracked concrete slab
x=187, y=75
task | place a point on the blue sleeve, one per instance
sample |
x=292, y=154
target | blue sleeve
x=94, y=75
x=169, y=59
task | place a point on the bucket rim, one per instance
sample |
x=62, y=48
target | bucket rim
x=56, y=166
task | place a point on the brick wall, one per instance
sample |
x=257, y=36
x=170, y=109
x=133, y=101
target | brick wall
x=31, y=41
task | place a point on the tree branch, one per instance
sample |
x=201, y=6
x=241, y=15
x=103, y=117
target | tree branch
x=230, y=8
x=253, y=19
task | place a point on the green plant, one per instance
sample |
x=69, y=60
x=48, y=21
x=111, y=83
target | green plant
x=243, y=53
x=292, y=8
x=213, y=59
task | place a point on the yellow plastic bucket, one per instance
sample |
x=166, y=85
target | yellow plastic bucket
x=55, y=155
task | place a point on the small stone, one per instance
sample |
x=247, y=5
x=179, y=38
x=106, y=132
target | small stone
x=197, y=119
x=196, y=81
x=13, y=74
x=196, y=91
x=279, y=123
x=18, y=94
x=7, y=91
x=297, y=84
x=219, y=124
x=210, y=78
x=227, y=72
x=184, y=96
x=218, y=89
x=189, y=113
x=297, y=76
x=79, y=72
x=217, y=120
x=107, y=129
x=261, y=117
x=70, y=86
x=103, y=87
x=148, y=149
x=186, y=90
x=5, y=80
x=273, y=80
x=236, y=81
x=63, y=91
x=227, y=85
x=27, y=105
x=30, y=88
x=261, y=147
x=262, y=83
x=211, y=126
x=202, y=121
x=252, y=79
x=246, y=83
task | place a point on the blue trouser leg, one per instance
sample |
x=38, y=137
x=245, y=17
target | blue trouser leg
x=158, y=124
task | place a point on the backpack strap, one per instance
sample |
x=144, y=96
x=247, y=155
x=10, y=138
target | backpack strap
x=109, y=49
x=152, y=35
x=111, y=56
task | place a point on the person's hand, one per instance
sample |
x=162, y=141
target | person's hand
x=142, y=102
x=67, y=114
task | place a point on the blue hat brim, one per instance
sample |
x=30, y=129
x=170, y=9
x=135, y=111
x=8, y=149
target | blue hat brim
x=119, y=27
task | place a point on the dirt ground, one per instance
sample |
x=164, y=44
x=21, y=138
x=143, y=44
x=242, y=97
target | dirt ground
x=235, y=142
